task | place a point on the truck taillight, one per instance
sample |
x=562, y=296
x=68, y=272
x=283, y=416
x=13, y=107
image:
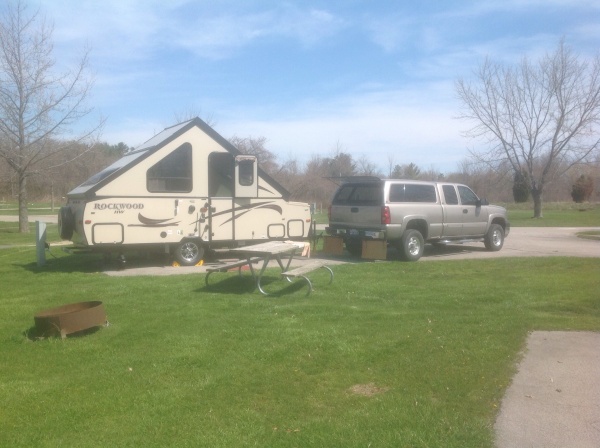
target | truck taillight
x=386, y=217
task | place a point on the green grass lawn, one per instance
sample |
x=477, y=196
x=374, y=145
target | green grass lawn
x=10, y=235
x=557, y=214
x=391, y=354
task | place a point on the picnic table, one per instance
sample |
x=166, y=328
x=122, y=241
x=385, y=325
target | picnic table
x=281, y=251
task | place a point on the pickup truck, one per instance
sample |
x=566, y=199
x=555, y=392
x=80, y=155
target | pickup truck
x=407, y=214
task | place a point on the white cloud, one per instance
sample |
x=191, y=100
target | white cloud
x=412, y=126
x=135, y=41
x=390, y=33
x=136, y=29
x=219, y=36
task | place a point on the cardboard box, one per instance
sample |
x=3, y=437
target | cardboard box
x=333, y=245
x=374, y=249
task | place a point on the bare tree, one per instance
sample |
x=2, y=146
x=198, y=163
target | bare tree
x=542, y=117
x=257, y=146
x=367, y=168
x=390, y=161
x=37, y=105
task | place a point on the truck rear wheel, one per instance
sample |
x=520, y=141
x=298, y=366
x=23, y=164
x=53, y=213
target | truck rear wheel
x=412, y=245
x=494, y=239
x=189, y=253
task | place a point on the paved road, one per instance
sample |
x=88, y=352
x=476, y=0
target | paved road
x=526, y=242
x=554, y=399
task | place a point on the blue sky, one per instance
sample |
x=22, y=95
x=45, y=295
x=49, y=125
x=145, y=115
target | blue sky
x=372, y=78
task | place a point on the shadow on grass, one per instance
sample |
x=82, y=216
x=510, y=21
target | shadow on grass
x=83, y=263
x=35, y=335
x=230, y=283
x=433, y=250
x=94, y=262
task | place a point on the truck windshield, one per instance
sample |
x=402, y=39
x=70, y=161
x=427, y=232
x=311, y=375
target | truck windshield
x=359, y=194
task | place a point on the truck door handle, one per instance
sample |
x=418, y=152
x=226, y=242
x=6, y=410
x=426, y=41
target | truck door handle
x=354, y=209
x=465, y=210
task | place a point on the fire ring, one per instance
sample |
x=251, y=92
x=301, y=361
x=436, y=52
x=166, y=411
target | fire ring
x=67, y=319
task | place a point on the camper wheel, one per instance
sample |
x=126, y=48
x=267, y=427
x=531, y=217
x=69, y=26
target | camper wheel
x=66, y=223
x=189, y=253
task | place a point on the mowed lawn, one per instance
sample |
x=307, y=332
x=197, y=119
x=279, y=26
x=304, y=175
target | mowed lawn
x=391, y=354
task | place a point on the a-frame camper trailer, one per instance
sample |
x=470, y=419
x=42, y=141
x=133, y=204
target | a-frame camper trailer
x=186, y=189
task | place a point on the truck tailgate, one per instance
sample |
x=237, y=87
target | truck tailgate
x=359, y=215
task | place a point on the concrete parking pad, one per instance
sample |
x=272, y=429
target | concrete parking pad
x=554, y=399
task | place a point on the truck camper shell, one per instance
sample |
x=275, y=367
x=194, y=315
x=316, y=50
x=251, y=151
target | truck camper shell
x=186, y=189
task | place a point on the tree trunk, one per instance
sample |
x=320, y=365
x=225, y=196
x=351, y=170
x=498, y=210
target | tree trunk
x=23, y=214
x=536, y=194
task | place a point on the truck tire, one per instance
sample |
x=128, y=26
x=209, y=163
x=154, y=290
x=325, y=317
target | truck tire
x=66, y=223
x=189, y=253
x=494, y=238
x=412, y=245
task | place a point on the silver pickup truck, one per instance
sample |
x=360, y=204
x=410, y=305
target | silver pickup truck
x=408, y=213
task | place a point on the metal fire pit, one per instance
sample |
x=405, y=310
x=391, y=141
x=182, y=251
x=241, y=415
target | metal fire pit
x=67, y=319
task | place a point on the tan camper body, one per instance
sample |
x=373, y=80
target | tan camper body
x=187, y=189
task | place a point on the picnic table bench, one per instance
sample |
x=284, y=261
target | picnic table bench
x=301, y=271
x=232, y=265
x=282, y=252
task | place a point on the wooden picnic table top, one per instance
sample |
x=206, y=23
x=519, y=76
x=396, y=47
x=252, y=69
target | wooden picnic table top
x=268, y=248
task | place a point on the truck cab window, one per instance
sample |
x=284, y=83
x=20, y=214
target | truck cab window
x=450, y=194
x=173, y=173
x=412, y=193
x=467, y=197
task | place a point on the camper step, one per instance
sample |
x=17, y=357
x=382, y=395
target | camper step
x=228, y=266
x=300, y=271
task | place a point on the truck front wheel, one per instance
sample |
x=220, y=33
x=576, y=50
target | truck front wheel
x=189, y=253
x=494, y=239
x=412, y=245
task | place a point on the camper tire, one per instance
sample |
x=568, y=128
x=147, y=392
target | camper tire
x=66, y=223
x=189, y=253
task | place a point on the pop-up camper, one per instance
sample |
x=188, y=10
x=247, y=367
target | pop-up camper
x=186, y=189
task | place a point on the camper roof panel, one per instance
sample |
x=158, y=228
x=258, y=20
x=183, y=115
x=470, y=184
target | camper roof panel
x=161, y=137
x=99, y=177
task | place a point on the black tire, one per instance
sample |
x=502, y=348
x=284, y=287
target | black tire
x=494, y=239
x=66, y=223
x=189, y=253
x=354, y=247
x=412, y=245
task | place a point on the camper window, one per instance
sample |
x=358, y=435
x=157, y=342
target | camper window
x=246, y=172
x=173, y=173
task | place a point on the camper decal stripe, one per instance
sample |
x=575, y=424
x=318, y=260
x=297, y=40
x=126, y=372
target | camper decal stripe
x=275, y=207
x=251, y=207
x=260, y=187
x=150, y=222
